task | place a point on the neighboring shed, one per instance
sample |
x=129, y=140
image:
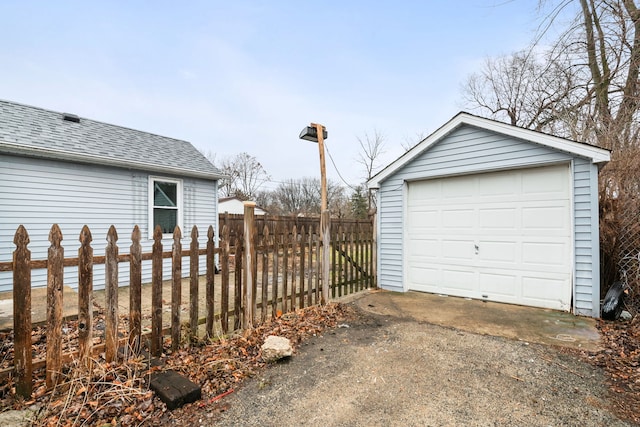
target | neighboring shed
x=60, y=168
x=486, y=210
x=234, y=205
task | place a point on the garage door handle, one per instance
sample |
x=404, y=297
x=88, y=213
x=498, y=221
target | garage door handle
x=477, y=249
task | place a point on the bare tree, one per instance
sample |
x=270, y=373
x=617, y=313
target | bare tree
x=246, y=176
x=584, y=86
x=302, y=196
x=409, y=143
x=372, y=147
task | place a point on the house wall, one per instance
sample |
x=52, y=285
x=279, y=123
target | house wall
x=469, y=149
x=38, y=193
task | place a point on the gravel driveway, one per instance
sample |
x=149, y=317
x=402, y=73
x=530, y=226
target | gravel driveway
x=379, y=370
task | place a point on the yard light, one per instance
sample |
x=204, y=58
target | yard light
x=318, y=133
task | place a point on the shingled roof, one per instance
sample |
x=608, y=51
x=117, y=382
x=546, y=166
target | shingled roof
x=36, y=132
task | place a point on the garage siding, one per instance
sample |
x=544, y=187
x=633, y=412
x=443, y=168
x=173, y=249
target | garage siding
x=470, y=150
x=587, y=257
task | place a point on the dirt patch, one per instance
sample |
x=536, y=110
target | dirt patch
x=382, y=370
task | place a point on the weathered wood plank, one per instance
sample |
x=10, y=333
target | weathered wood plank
x=55, y=285
x=156, y=293
x=265, y=273
x=248, y=277
x=237, y=301
x=303, y=247
x=210, y=287
x=111, y=293
x=22, y=313
x=85, y=297
x=135, y=291
x=224, y=294
x=285, y=271
x=293, y=243
x=194, y=273
x=176, y=288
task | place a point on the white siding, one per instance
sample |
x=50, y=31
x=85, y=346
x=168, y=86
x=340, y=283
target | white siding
x=587, y=257
x=470, y=150
x=38, y=193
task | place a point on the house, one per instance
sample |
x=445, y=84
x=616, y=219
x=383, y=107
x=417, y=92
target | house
x=234, y=205
x=61, y=168
x=490, y=211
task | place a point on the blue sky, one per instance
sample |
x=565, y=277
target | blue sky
x=247, y=76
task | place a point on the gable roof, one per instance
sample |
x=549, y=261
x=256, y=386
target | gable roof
x=36, y=132
x=595, y=154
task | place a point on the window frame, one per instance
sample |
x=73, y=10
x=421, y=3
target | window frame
x=151, y=206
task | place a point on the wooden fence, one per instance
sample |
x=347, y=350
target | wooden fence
x=273, y=271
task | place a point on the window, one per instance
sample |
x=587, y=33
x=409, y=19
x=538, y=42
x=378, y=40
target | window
x=165, y=204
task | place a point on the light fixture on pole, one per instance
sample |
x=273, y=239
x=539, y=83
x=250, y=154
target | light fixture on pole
x=318, y=133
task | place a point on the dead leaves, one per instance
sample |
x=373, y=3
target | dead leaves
x=620, y=359
x=118, y=394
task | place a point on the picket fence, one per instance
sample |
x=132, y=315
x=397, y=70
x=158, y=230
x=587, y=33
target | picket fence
x=273, y=271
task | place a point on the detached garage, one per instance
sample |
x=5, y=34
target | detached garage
x=485, y=210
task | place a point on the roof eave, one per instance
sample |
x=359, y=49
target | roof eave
x=30, y=151
x=597, y=155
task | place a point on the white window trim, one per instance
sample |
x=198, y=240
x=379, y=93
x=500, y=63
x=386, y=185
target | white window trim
x=180, y=204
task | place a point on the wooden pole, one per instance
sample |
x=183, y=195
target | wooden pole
x=248, y=270
x=325, y=218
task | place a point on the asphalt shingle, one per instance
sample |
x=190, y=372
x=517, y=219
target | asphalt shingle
x=23, y=127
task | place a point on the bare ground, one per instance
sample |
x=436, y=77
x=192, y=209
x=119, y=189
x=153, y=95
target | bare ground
x=388, y=371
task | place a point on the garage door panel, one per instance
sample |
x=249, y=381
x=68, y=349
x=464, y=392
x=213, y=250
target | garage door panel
x=427, y=248
x=498, y=284
x=554, y=290
x=504, y=185
x=458, y=188
x=496, y=251
x=500, y=218
x=458, y=218
x=520, y=221
x=544, y=218
x=424, y=219
x=454, y=279
x=458, y=250
x=546, y=254
x=550, y=183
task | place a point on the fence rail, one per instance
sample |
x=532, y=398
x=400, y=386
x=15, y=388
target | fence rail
x=268, y=268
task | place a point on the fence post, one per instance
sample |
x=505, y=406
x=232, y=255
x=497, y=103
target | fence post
x=135, y=291
x=248, y=270
x=237, y=298
x=111, y=293
x=176, y=287
x=194, y=272
x=302, y=244
x=210, y=288
x=224, y=294
x=85, y=297
x=22, y=313
x=156, y=293
x=325, y=227
x=55, y=283
x=293, y=242
x=265, y=271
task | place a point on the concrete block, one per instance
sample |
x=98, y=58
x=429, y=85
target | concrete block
x=174, y=389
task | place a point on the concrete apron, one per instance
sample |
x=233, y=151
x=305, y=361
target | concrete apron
x=520, y=323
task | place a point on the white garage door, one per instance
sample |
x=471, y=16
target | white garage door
x=502, y=236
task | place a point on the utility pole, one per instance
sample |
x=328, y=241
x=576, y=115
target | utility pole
x=317, y=133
